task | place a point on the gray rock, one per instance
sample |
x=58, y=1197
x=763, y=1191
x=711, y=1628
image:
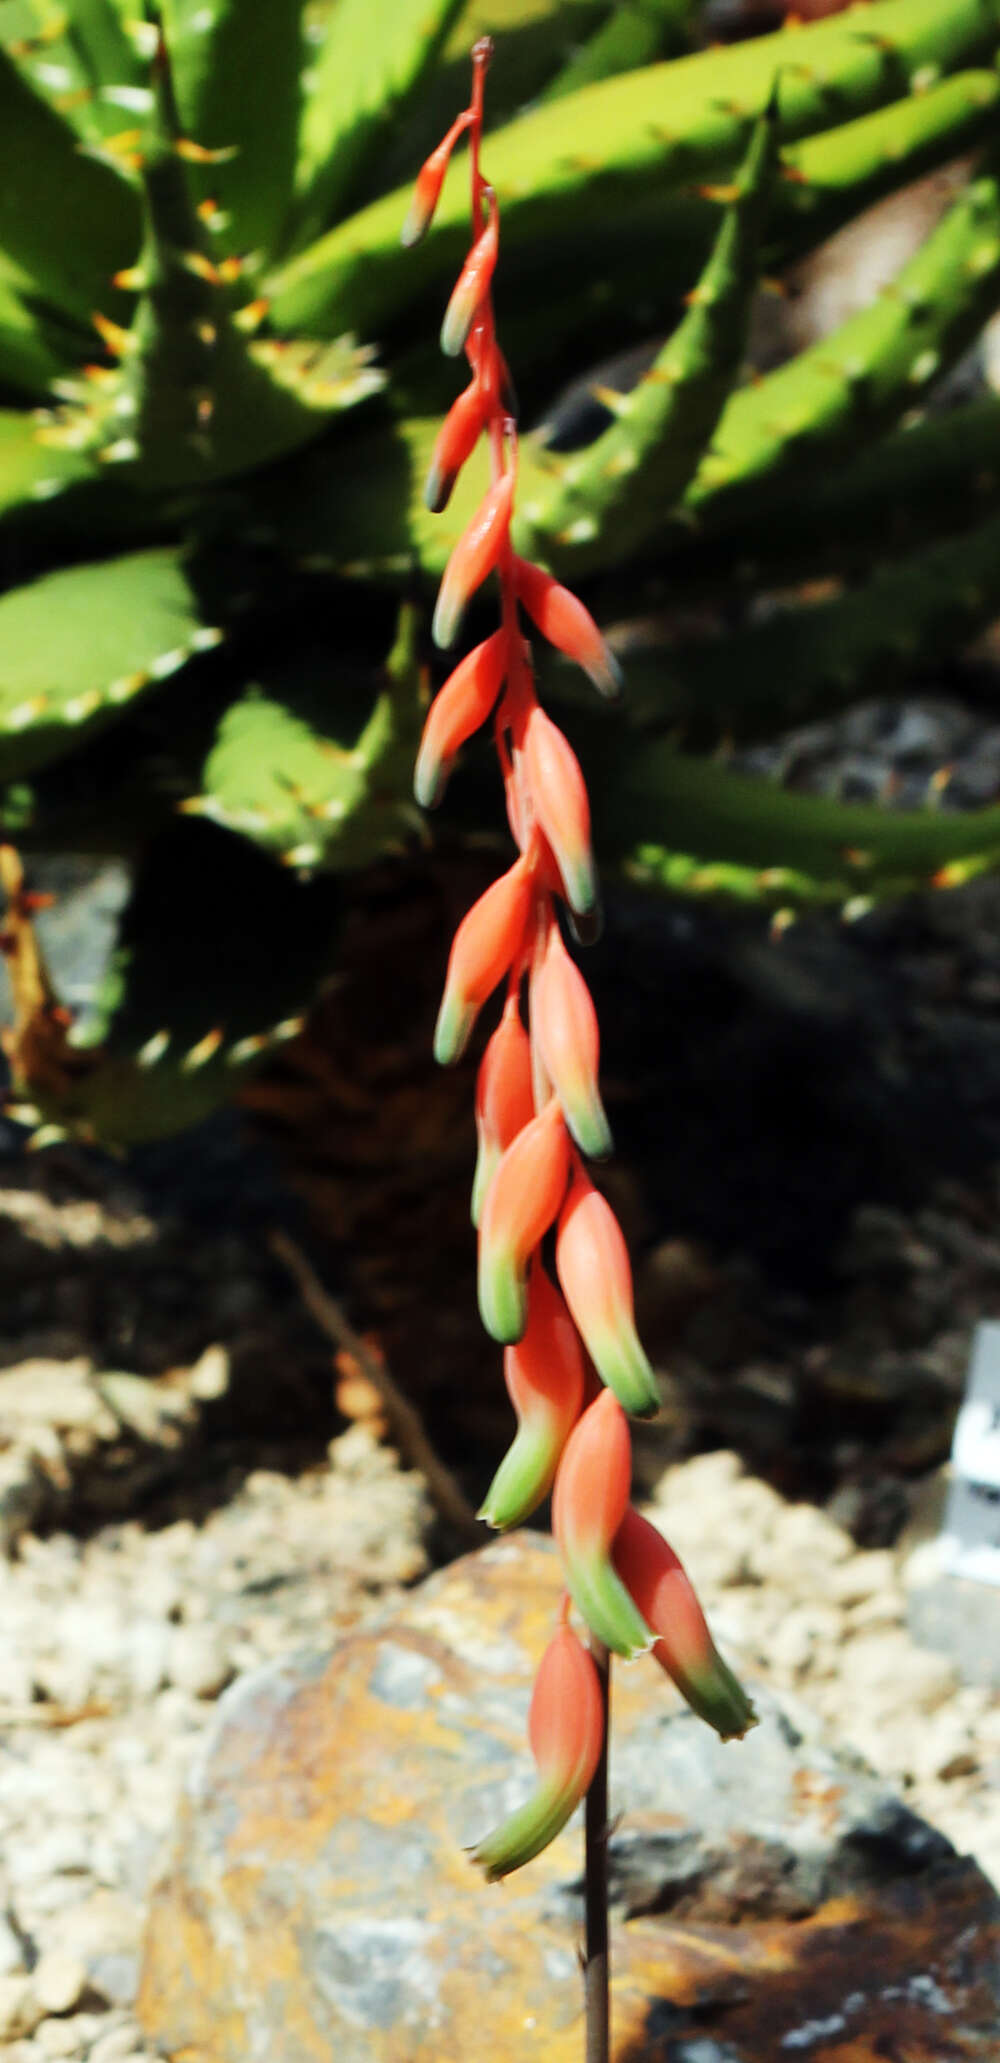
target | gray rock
x=319, y=1880
x=959, y=1619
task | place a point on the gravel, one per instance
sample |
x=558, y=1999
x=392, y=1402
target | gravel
x=127, y=1637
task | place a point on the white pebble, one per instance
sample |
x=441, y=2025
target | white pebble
x=197, y=1661
x=20, y=2011
x=116, y=2044
x=58, y=1981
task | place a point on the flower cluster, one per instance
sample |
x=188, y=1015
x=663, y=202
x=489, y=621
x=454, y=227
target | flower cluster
x=573, y=1362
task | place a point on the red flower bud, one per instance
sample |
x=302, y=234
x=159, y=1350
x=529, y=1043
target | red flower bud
x=473, y=558
x=565, y=1025
x=684, y=1647
x=596, y=1280
x=544, y=1374
x=559, y=798
x=564, y=621
x=588, y=1504
x=456, y=439
x=429, y=181
x=504, y=1099
x=486, y=943
x=470, y=289
x=458, y=709
x=521, y=1203
x=566, y=1732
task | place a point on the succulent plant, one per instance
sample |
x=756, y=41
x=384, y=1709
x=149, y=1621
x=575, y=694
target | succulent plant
x=219, y=397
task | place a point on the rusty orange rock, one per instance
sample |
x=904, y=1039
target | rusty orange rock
x=320, y=1902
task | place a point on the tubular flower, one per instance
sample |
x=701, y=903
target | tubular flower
x=562, y=810
x=570, y=1042
x=596, y=1280
x=655, y=1578
x=429, y=181
x=456, y=439
x=472, y=284
x=589, y=1501
x=474, y=556
x=567, y=625
x=485, y=945
x=504, y=1100
x=521, y=1203
x=544, y=1374
x=456, y=713
x=566, y=1733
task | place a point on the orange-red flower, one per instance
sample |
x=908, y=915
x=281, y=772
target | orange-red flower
x=564, y=621
x=455, y=441
x=429, y=181
x=559, y=797
x=470, y=289
x=544, y=1374
x=473, y=558
x=504, y=1098
x=591, y=1494
x=458, y=709
x=487, y=942
x=566, y=1733
x=521, y=1203
x=684, y=1647
x=596, y=1280
x=565, y=1024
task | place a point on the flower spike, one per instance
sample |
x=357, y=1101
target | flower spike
x=596, y=1280
x=485, y=945
x=566, y=1733
x=544, y=1374
x=456, y=712
x=588, y=1504
x=568, y=1037
x=564, y=621
x=684, y=1647
x=473, y=558
x=521, y=1203
x=504, y=1099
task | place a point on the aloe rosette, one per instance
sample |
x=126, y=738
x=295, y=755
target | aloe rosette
x=220, y=433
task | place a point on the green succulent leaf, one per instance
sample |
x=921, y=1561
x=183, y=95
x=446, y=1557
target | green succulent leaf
x=80, y=60
x=79, y=646
x=930, y=478
x=219, y=953
x=635, y=33
x=731, y=835
x=604, y=501
x=67, y=221
x=194, y=398
x=858, y=381
x=652, y=137
x=237, y=74
x=317, y=778
x=30, y=471
x=370, y=65
x=818, y=656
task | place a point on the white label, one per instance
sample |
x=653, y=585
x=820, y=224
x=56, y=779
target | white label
x=975, y=1450
x=972, y=1536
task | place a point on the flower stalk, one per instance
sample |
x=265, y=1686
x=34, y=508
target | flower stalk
x=538, y=1113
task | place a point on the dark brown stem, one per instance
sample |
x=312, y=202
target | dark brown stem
x=405, y=1422
x=596, y=1955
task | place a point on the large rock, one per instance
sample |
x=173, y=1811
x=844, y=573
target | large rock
x=771, y=1897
